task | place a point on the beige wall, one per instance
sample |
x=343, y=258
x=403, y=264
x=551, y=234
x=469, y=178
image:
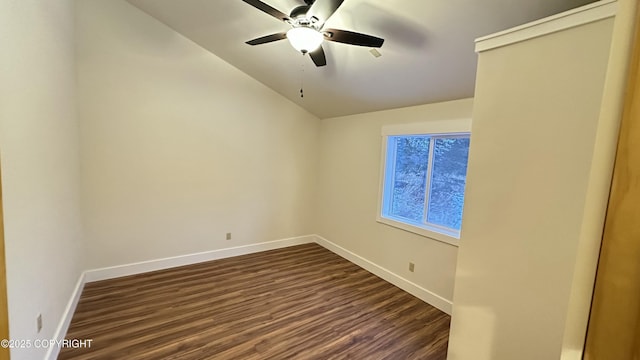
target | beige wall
x=179, y=147
x=349, y=178
x=536, y=120
x=40, y=165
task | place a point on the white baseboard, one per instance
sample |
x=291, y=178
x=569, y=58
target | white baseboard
x=175, y=261
x=416, y=290
x=63, y=326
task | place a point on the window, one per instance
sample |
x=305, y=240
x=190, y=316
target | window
x=423, y=181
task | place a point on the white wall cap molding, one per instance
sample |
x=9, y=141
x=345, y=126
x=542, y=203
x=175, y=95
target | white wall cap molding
x=565, y=20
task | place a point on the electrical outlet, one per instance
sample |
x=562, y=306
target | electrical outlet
x=412, y=266
x=228, y=236
x=39, y=322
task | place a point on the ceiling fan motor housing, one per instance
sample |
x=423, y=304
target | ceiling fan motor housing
x=299, y=11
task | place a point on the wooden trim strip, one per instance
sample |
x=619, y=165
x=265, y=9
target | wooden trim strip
x=614, y=325
x=4, y=307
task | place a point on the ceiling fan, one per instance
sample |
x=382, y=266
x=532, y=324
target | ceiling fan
x=307, y=28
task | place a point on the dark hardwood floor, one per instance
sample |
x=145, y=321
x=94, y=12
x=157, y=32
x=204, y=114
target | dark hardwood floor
x=301, y=302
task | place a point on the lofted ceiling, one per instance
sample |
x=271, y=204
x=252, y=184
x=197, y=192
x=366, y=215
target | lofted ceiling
x=428, y=55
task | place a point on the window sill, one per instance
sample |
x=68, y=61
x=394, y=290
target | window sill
x=421, y=230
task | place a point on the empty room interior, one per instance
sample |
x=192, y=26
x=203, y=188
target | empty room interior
x=289, y=179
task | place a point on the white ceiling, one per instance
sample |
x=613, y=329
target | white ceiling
x=428, y=54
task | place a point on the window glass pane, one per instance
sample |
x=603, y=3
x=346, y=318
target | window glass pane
x=410, y=177
x=447, y=182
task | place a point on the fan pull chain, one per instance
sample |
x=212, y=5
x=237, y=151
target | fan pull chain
x=302, y=77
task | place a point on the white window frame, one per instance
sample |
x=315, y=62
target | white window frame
x=444, y=128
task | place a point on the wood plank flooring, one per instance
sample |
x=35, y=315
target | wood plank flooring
x=301, y=302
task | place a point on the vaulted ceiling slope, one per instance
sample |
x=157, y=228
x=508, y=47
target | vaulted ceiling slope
x=428, y=54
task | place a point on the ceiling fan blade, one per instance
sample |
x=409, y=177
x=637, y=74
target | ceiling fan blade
x=268, y=9
x=323, y=9
x=352, y=38
x=318, y=57
x=267, y=39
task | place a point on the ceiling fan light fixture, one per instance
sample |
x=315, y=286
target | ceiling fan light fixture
x=305, y=39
